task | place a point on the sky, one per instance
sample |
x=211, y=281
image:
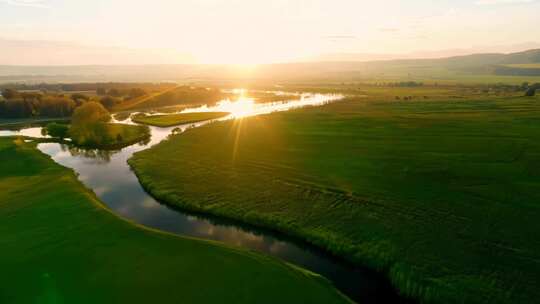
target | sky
x=42, y=32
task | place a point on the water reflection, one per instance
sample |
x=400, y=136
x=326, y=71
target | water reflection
x=30, y=132
x=97, y=154
x=246, y=106
x=110, y=177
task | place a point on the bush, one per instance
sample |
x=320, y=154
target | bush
x=57, y=130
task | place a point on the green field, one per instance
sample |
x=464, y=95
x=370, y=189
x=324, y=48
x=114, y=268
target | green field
x=61, y=245
x=177, y=119
x=442, y=194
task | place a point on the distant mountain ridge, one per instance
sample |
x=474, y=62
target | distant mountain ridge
x=486, y=64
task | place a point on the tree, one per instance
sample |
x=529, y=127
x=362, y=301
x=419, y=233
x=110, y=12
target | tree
x=108, y=102
x=17, y=108
x=56, y=106
x=88, y=124
x=531, y=91
x=10, y=93
x=90, y=112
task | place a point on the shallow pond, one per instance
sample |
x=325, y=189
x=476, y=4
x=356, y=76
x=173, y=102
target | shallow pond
x=110, y=177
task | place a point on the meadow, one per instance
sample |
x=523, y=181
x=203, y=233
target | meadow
x=439, y=191
x=169, y=120
x=61, y=245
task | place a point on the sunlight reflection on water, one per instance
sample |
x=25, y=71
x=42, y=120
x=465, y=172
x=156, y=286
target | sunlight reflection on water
x=30, y=132
x=246, y=106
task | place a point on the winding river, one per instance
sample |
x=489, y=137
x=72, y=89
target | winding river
x=110, y=177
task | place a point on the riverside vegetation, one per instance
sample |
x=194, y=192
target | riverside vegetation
x=438, y=190
x=90, y=129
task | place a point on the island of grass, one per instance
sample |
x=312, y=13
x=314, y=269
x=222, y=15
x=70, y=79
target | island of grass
x=109, y=136
x=442, y=195
x=104, y=136
x=169, y=120
x=59, y=244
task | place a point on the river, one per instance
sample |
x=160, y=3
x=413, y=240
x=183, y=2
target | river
x=110, y=177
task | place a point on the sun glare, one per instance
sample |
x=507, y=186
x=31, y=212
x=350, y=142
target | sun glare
x=240, y=107
x=243, y=105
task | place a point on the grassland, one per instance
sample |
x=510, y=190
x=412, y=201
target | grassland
x=60, y=245
x=439, y=193
x=177, y=119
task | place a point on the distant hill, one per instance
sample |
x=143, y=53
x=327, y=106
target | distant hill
x=512, y=64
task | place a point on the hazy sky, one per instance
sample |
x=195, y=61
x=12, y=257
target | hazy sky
x=252, y=31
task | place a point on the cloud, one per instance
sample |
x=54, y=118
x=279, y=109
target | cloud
x=27, y=3
x=495, y=2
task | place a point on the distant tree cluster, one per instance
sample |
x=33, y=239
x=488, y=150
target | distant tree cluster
x=114, y=96
x=87, y=87
x=186, y=95
x=36, y=103
x=404, y=84
x=109, y=102
x=530, y=90
x=410, y=97
x=504, y=87
x=126, y=93
x=29, y=104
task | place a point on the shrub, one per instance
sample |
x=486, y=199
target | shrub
x=57, y=130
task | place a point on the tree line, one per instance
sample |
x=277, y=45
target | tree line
x=28, y=104
x=32, y=104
